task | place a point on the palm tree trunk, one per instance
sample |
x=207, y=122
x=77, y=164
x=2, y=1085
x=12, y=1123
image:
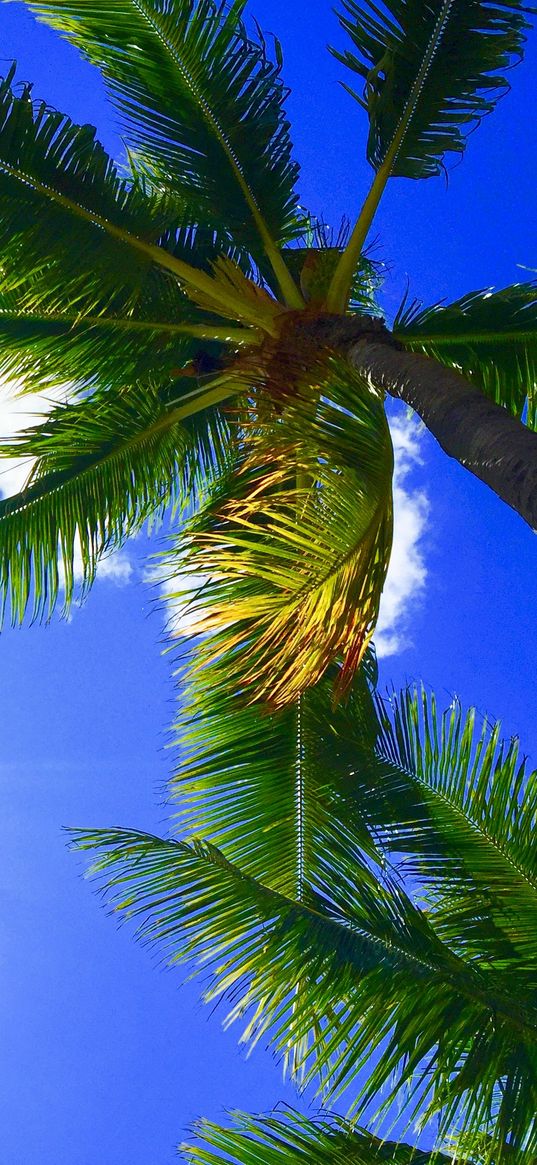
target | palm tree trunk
x=479, y=434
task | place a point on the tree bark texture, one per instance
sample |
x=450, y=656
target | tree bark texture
x=479, y=434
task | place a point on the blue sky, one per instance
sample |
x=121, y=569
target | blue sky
x=102, y=1058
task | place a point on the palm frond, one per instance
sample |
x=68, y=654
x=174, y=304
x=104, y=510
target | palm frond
x=74, y=232
x=478, y=1148
x=313, y=267
x=149, y=327
x=283, y=1138
x=201, y=102
x=41, y=348
x=229, y=283
x=432, y=69
x=50, y=169
x=103, y=465
x=256, y=783
x=491, y=336
x=445, y=797
x=296, y=544
x=374, y=977
x=463, y=804
x=454, y=807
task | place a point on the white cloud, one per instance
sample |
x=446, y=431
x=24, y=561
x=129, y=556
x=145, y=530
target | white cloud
x=18, y=413
x=407, y=573
x=187, y=590
x=116, y=568
x=182, y=594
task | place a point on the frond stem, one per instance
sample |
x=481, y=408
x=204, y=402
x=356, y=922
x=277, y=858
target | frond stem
x=292, y=295
x=338, y=293
x=241, y=336
x=339, y=290
x=460, y=812
x=299, y=800
x=191, y=277
x=194, y=402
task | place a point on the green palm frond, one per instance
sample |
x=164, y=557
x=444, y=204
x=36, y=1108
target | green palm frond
x=273, y=790
x=54, y=179
x=103, y=465
x=373, y=977
x=432, y=69
x=73, y=232
x=158, y=340
x=202, y=102
x=40, y=349
x=491, y=336
x=463, y=804
x=256, y=783
x=148, y=328
x=455, y=807
x=478, y=1148
x=295, y=545
x=286, y=1138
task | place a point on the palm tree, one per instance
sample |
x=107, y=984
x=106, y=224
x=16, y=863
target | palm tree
x=192, y=279
x=368, y=908
x=227, y=360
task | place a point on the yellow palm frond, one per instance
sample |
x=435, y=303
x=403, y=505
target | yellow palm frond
x=295, y=547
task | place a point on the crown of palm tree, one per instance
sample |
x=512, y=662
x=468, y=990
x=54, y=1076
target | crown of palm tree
x=156, y=282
